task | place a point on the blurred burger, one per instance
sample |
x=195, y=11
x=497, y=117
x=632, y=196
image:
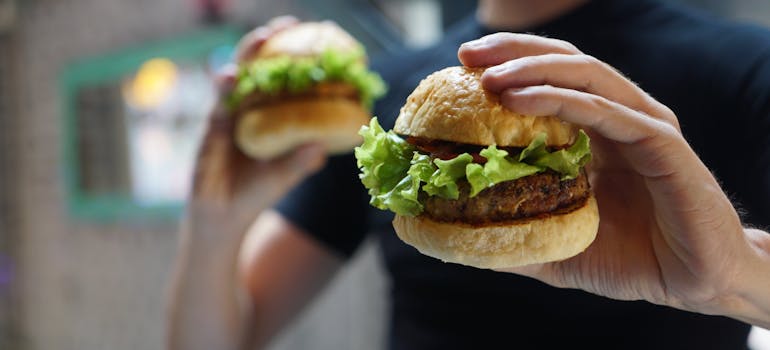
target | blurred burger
x=307, y=83
x=474, y=183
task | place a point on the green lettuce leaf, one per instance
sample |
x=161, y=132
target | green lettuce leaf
x=535, y=149
x=498, y=168
x=385, y=159
x=395, y=173
x=403, y=199
x=302, y=74
x=274, y=74
x=422, y=168
x=566, y=162
x=443, y=181
x=476, y=178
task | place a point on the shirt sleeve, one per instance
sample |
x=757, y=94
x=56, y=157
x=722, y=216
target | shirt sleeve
x=330, y=206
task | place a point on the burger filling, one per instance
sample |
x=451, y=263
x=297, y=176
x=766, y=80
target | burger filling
x=471, y=184
x=282, y=76
x=531, y=196
x=321, y=90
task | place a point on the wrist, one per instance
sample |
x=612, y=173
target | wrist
x=213, y=223
x=204, y=259
x=750, y=302
x=208, y=236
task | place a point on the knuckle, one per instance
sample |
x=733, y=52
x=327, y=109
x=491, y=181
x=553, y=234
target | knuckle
x=497, y=38
x=670, y=117
x=566, y=46
x=546, y=90
x=503, y=36
x=667, y=131
x=667, y=113
x=536, y=61
x=591, y=61
x=601, y=103
x=595, y=68
x=536, y=92
x=535, y=97
x=516, y=100
x=513, y=67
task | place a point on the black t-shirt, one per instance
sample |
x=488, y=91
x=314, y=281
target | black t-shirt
x=714, y=75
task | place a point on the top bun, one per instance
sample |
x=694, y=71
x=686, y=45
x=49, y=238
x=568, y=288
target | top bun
x=451, y=105
x=308, y=39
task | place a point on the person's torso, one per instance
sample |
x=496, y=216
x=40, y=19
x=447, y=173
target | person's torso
x=448, y=306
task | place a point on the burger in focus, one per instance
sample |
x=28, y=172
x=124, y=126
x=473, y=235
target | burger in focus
x=306, y=83
x=474, y=183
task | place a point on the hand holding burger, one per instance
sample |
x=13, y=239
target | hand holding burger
x=299, y=91
x=485, y=168
x=668, y=233
x=229, y=184
x=230, y=190
x=308, y=82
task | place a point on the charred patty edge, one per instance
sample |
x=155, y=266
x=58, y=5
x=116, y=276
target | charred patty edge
x=533, y=197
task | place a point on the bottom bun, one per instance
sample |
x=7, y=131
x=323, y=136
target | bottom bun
x=534, y=241
x=272, y=130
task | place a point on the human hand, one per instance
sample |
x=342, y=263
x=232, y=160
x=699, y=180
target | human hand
x=228, y=186
x=229, y=191
x=668, y=233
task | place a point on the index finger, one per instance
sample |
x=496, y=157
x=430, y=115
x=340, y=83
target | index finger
x=497, y=48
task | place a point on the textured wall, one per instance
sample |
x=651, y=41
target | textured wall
x=84, y=285
x=7, y=200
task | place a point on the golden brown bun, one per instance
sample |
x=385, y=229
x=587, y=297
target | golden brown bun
x=554, y=238
x=451, y=105
x=277, y=128
x=308, y=39
x=329, y=116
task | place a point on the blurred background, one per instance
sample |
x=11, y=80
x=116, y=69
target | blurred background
x=101, y=107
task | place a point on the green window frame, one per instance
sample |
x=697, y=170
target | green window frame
x=109, y=68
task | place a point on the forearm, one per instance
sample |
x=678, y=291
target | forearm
x=752, y=303
x=204, y=312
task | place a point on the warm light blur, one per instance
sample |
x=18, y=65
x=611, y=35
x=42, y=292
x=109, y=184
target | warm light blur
x=153, y=84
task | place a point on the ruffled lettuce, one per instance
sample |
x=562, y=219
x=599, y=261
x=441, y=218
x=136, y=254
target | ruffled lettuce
x=566, y=162
x=275, y=74
x=385, y=160
x=498, y=168
x=443, y=181
x=395, y=173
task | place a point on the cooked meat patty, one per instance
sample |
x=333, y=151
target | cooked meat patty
x=531, y=196
x=320, y=90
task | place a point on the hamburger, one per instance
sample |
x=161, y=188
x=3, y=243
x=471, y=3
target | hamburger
x=306, y=83
x=474, y=183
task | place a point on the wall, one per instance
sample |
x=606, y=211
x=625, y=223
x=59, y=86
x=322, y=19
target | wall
x=7, y=194
x=84, y=285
